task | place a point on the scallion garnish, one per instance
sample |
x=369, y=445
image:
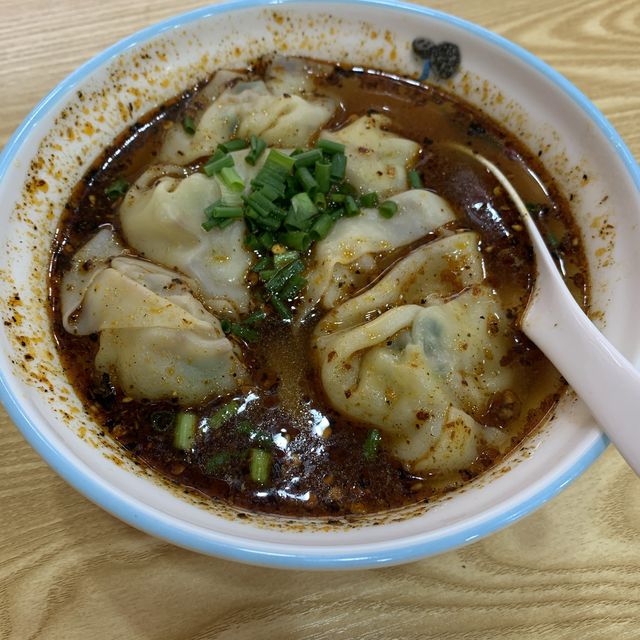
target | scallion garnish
x=369, y=200
x=282, y=276
x=117, y=189
x=283, y=259
x=306, y=179
x=277, y=159
x=299, y=240
x=223, y=211
x=322, y=226
x=322, y=175
x=263, y=263
x=371, y=444
x=388, y=209
x=222, y=415
x=218, y=460
x=338, y=166
x=301, y=212
x=214, y=165
x=280, y=308
x=234, y=145
x=308, y=158
x=293, y=287
x=350, y=207
x=258, y=145
x=162, y=421
x=415, y=180
x=330, y=147
x=231, y=179
x=185, y=431
x=189, y=125
x=260, y=466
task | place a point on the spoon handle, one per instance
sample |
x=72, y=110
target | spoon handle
x=601, y=376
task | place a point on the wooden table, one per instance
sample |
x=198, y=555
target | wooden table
x=68, y=570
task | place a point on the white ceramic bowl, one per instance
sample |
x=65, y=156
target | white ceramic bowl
x=62, y=136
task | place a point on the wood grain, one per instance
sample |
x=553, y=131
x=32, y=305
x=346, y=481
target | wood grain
x=68, y=570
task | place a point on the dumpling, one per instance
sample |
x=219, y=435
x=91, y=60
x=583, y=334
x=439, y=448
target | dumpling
x=342, y=262
x=281, y=110
x=420, y=372
x=429, y=274
x=376, y=158
x=86, y=264
x=156, y=340
x=161, y=217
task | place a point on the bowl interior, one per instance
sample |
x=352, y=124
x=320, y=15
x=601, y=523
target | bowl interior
x=66, y=132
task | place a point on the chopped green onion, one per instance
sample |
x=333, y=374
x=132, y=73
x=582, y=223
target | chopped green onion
x=283, y=259
x=280, y=307
x=189, y=125
x=299, y=240
x=162, y=420
x=292, y=287
x=369, y=200
x=260, y=466
x=233, y=145
x=223, y=414
x=217, y=461
x=306, y=179
x=350, y=207
x=388, y=209
x=263, y=263
x=308, y=158
x=267, y=240
x=347, y=189
x=254, y=318
x=323, y=176
x=269, y=192
x=261, y=205
x=371, y=444
x=243, y=332
x=232, y=179
x=280, y=278
x=337, y=198
x=258, y=436
x=185, y=430
x=280, y=160
x=415, y=180
x=322, y=227
x=222, y=211
x=552, y=240
x=320, y=200
x=214, y=166
x=251, y=242
x=301, y=212
x=257, y=149
x=267, y=274
x=338, y=166
x=117, y=189
x=329, y=146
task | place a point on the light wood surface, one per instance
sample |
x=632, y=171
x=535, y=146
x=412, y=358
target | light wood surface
x=68, y=570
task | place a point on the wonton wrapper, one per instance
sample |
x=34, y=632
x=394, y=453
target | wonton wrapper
x=417, y=372
x=377, y=160
x=156, y=340
x=162, y=216
x=342, y=262
x=281, y=110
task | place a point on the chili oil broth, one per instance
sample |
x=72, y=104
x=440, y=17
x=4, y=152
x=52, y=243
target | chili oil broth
x=319, y=468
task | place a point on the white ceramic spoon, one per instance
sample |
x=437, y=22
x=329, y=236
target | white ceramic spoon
x=601, y=376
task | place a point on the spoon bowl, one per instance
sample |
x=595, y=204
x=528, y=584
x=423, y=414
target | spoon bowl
x=601, y=376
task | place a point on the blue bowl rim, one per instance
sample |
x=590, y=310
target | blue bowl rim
x=81, y=478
